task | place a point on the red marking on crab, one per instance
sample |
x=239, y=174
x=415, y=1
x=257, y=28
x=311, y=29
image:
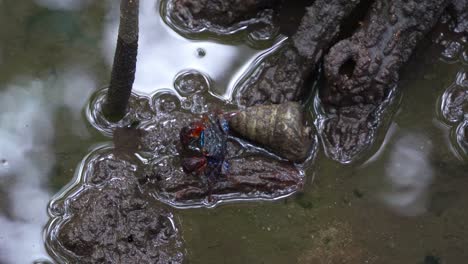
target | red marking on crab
x=191, y=132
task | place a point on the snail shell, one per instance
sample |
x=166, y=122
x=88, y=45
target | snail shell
x=279, y=128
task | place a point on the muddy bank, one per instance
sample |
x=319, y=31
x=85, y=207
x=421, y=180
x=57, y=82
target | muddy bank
x=106, y=219
x=363, y=70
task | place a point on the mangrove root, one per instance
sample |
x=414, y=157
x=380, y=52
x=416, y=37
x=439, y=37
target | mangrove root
x=124, y=66
x=361, y=71
x=283, y=74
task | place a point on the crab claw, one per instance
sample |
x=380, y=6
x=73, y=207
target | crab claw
x=194, y=164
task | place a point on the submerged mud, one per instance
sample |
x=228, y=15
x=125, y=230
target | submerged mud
x=362, y=71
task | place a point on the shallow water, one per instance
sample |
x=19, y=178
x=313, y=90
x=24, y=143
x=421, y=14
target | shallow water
x=405, y=204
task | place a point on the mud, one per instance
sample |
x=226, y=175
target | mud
x=363, y=70
x=110, y=221
x=223, y=18
x=281, y=76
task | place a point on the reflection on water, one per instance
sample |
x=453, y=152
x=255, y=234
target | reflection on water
x=162, y=54
x=25, y=131
x=63, y=4
x=27, y=110
x=409, y=174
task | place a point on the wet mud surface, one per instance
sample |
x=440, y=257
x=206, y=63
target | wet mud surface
x=107, y=219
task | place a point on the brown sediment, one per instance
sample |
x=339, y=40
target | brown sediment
x=362, y=70
x=336, y=244
x=282, y=75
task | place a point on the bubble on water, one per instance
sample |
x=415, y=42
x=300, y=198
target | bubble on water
x=42, y=261
x=465, y=56
x=189, y=82
x=138, y=110
x=166, y=102
x=187, y=104
x=201, y=52
x=452, y=51
x=199, y=105
x=455, y=99
x=462, y=138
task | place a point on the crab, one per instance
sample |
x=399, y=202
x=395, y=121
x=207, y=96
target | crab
x=204, y=145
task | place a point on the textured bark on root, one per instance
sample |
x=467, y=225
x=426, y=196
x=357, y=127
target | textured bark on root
x=284, y=73
x=362, y=70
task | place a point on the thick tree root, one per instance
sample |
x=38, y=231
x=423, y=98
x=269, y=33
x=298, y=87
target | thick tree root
x=282, y=75
x=361, y=71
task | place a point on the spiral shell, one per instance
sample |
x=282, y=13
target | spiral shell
x=279, y=128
